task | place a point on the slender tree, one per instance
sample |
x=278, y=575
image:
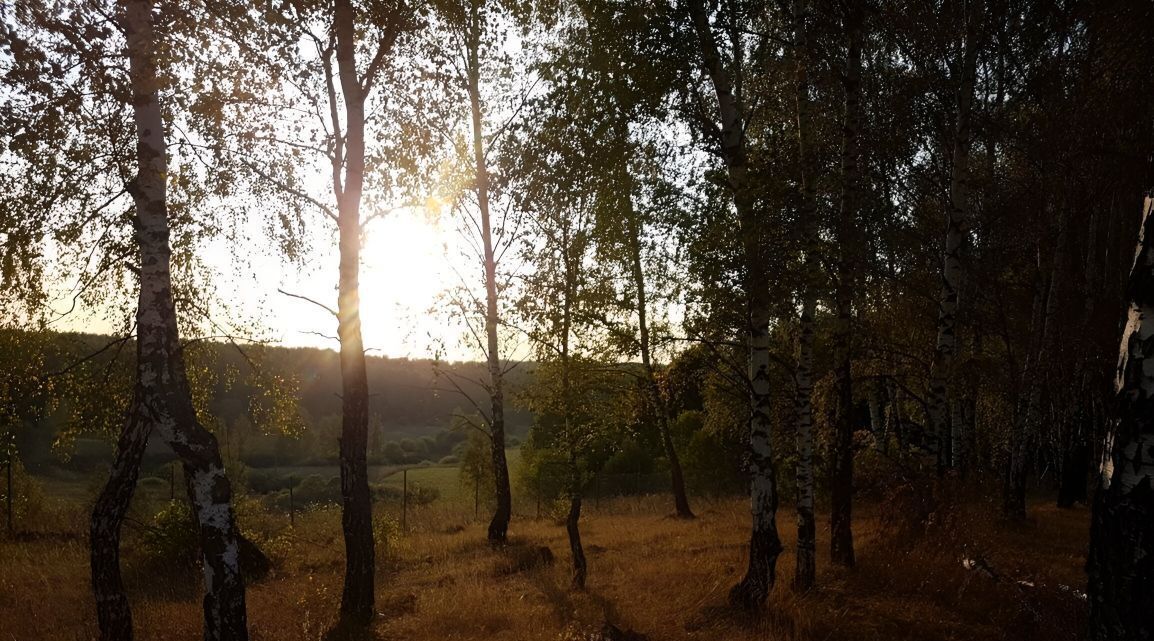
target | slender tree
x=805, y=570
x=957, y=230
x=764, y=544
x=841, y=499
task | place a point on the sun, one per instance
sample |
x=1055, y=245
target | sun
x=404, y=271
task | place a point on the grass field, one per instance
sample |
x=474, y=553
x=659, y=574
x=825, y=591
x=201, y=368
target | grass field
x=662, y=577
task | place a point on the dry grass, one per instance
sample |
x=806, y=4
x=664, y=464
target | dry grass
x=663, y=577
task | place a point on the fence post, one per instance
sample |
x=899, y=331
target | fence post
x=404, y=500
x=172, y=482
x=11, y=526
x=292, y=504
x=597, y=490
x=539, y=492
x=476, y=499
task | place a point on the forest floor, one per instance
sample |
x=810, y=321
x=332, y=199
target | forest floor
x=661, y=577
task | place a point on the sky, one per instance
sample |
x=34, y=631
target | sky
x=410, y=258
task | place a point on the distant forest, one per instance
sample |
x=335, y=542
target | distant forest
x=411, y=404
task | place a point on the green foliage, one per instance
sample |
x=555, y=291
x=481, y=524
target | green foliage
x=386, y=535
x=475, y=461
x=27, y=494
x=172, y=535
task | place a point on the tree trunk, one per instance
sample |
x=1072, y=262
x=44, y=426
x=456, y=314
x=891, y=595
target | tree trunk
x=637, y=271
x=572, y=526
x=878, y=423
x=805, y=569
x=113, y=613
x=841, y=500
x=1121, y=559
x=941, y=367
x=573, y=520
x=764, y=543
x=957, y=427
x=357, y=515
x=1027, y=435
x=894, y=416
x=162, y=382
x=499, y=525
x=677, y=478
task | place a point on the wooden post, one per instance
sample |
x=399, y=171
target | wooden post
x=597, y=490
x=292, y=504
x=404, y=500
x=476, y=499
x=8, y=495
x=172, y=482
x=539, y=468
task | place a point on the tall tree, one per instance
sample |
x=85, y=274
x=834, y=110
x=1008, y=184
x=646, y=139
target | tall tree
x=806, y=559
x=957, y=230
x=847, y=241
x=1121, y=560
x=764, y=544
x=471, y=27
x=163, y=399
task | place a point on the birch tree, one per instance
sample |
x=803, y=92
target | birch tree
x=472, y=28
x=847, y=278
x=806, y=560
x=325, y=90
x=163, y=398
x=731, y=119
x=957, y=230
x=1121, y=574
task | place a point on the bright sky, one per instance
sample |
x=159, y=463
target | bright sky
x=410, y=258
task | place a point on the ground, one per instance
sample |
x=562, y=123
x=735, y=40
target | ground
x=660, y=576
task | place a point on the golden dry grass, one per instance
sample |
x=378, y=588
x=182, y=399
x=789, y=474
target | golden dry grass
x=660, y=576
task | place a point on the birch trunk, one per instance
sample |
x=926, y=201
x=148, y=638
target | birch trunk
x=957, y=427
x=162, y=382
x=894, y=415
x=499, y=524
x=1121, y=559
x=113, y=613
x=957, y=230
x=841, y=500
x=805, y=569
x=357, y=516
x=764, y=543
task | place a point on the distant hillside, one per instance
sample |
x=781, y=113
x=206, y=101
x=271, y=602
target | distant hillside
x=411, y=402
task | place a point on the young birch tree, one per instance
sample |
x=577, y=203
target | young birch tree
x=474, y=29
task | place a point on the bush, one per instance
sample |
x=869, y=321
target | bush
x=172, y=536
x=386, y=533
x=266, y=481
x=450, y=460
x=27, y=495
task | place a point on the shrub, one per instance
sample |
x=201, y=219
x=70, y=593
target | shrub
x=450, y=460
x=172, y=537
x=386, y=534
x=27, y=495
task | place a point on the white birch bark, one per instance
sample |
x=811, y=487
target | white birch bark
x=765, y=545
x=1121, y=585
